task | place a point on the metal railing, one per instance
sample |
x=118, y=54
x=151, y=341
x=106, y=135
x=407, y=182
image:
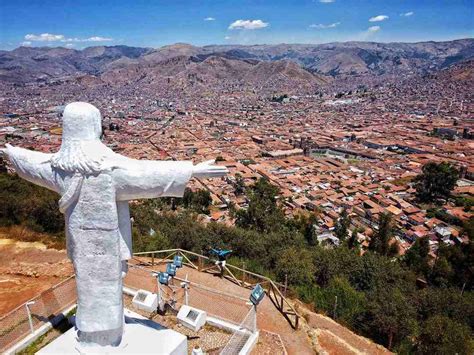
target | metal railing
x=40, y=310
x=275, y=291
x=239, y=339
x=228, y=311
x=219, y=304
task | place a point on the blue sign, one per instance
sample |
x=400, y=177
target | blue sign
x=257, y=295
x=178, y=261
x=171, y=269
x=163, y=278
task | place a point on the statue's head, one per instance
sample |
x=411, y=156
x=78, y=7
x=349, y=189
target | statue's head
x=81, y=149
x=81, y=121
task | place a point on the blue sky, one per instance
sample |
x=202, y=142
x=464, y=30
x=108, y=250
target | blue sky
x=154, y=23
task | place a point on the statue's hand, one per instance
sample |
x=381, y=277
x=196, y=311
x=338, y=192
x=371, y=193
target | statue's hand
x=209, y=169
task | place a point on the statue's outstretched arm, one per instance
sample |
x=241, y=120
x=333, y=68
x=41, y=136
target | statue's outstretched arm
x=208, y=169
x=136, y=179
x=32, y=166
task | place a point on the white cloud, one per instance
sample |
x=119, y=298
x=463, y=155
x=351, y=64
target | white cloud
x=248, y=25
x=44, y=37
x=97, y=39
x=407, y=14
x=378, y=18
x=69, y=45
x=227, y=38
x=327, y=1
x=48, y=37
x=373, y=29
x=209, y=19
x=323, y=27
x=90, y=39
x=25, y=43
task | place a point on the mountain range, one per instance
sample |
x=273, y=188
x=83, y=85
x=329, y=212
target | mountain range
x=283, y=65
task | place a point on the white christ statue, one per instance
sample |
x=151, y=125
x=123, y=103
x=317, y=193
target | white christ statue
x=95, y=185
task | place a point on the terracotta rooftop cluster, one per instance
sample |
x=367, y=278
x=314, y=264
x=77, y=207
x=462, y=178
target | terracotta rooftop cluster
x=358, y=151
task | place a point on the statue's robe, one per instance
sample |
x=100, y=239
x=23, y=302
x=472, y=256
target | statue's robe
x=98, y=231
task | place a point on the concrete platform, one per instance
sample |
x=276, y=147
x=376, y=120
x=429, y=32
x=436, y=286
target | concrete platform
x=141, y=336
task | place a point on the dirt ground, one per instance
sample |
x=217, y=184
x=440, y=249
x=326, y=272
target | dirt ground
x=27, y=269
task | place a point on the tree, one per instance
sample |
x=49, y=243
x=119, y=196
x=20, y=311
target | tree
x=296, y=264
x=441, y=335
x=23, y=203
x=199, y=200
x=342, y=225
x=380, y=241
x=417, y=257
x=353, y=242
x=442, y=272
x=468, y=228
x=306, y=224
x=341, y=301
x=391, y=314
x=447, y=302
x=330, y=263
x=436, y=181
x=372, y=272
x=454, y=266
x=263, y=213
x=239, y=186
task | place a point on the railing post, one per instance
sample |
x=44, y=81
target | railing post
x=30, y=319
x=152, y=259
x=200, y=266
x=243, y=273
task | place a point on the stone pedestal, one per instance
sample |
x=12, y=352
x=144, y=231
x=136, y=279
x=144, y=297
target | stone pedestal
x=141, y=336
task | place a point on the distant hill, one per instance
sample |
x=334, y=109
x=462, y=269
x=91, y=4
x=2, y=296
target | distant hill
x=26, y=64
x=462, y=72
x=261, y=65
x=217, y=73
x=351, y=58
